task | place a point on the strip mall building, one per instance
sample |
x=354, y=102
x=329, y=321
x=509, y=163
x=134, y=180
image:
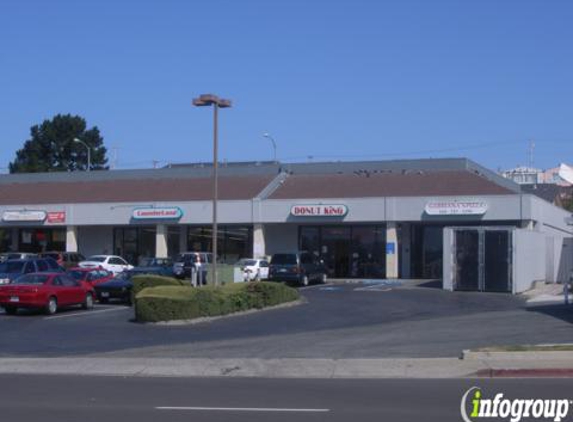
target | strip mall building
x=448, y=219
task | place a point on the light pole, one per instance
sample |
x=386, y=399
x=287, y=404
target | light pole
x=267, y=135
x=79, y=141
x=217, y=103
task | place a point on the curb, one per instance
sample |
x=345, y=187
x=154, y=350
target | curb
x=525, y=373
x=521, y=356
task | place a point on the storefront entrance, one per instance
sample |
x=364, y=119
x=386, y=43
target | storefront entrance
x=347, y=251
x=482, y=259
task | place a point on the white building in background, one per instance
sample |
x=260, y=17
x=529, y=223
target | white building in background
x=562, y=175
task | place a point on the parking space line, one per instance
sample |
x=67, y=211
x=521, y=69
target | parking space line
x=243, y=409
x=85, y=313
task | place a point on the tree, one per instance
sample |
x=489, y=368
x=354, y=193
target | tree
x=51, y=147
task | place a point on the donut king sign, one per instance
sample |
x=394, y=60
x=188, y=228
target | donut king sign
x=161, y=213
x=319, y=210
x=456, y=207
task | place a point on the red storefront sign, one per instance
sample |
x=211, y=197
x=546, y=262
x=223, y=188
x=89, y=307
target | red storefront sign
x=56, y=217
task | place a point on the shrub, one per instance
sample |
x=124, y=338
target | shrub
x=166, y=303
x=143, y=281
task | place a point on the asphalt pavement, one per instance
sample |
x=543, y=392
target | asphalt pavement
x=68, y=398
x=336, y=322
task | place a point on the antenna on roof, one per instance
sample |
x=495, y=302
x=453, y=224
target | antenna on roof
x=530, y=152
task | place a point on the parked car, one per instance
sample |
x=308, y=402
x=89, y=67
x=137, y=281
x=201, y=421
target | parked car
x=254, y=269
x=119, y=287
x=92, y=276
x=47, y=291
x=187, y=262
x=300, y=267
x=16, y=255
x=159, y=266
x=113, y=263
x=64, y=259
x=14, y=268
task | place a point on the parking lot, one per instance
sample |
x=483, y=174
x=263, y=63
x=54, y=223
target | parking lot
x=335, y=321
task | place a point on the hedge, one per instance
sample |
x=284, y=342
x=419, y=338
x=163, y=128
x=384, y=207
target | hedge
x=167, y=303
x=143, y=281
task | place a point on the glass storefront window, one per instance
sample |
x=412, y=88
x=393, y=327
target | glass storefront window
x=233, y=242
x=347, y=251
x=41, y=240
x=133, y=243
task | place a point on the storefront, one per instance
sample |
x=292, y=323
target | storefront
x=367, y=220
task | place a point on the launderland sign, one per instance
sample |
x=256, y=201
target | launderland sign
x=469, y=206
x=319, y=210
x=159, y=213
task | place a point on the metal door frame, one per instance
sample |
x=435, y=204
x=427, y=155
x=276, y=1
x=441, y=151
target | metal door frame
x=481, y=230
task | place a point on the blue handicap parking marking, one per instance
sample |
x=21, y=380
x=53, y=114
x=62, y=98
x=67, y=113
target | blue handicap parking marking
x=331, y=288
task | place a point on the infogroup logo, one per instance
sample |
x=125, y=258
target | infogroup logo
x=474, y=406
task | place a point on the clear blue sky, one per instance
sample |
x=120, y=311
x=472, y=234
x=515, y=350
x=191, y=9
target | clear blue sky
x=332, y=79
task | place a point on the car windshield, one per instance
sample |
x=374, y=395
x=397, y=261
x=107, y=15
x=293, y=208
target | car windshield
x=122, y=276
x=77, y=275
x=11, y=267
x=284, y=259
x=96, y=258
x=31, y=279
x=247, y=262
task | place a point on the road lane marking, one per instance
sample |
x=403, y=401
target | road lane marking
x=242, y=409
x=85, y=313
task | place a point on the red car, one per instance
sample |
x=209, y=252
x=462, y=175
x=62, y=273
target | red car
x=47, y=291
x=91, y=275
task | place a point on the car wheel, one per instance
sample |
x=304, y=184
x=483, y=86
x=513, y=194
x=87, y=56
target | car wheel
x=103, y=300
x=88, y=302
x=11, y=310
x=304, y=280
x=52, y=306
x=323, y=278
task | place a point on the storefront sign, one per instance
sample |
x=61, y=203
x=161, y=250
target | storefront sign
x=165, y=213
x=23, y=216
x=319, y=210
x=56, y=217
x=455, y=207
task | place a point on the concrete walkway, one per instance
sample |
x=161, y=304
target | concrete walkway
x=485, y=365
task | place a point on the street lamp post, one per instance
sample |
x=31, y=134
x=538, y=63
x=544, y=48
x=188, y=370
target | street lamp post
x=217, y=103
x=268, y=136
x=79, y=141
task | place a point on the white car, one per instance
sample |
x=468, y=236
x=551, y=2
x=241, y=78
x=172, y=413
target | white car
x=254, y=269
x=113, y=263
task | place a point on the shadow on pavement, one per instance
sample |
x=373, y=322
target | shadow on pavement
x=556, y=310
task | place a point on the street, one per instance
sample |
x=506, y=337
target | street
x=83, y=398
x=340, y=322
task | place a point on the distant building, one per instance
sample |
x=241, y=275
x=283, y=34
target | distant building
x=561, y=176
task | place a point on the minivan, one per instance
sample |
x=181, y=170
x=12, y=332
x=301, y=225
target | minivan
x=297, y=267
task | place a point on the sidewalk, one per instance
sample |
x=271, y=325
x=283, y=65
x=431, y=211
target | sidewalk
x=474, y=365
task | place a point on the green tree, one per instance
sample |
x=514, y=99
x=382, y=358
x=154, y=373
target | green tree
x=51, y=147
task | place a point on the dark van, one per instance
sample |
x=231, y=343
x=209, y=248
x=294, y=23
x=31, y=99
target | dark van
x=298, y=267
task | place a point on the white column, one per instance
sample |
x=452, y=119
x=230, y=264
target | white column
x=15, y=234
x=161, y=241
x=71, y=239
x=258, y=241
x=405, y=250
x=182, y=239
x=391, y=250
